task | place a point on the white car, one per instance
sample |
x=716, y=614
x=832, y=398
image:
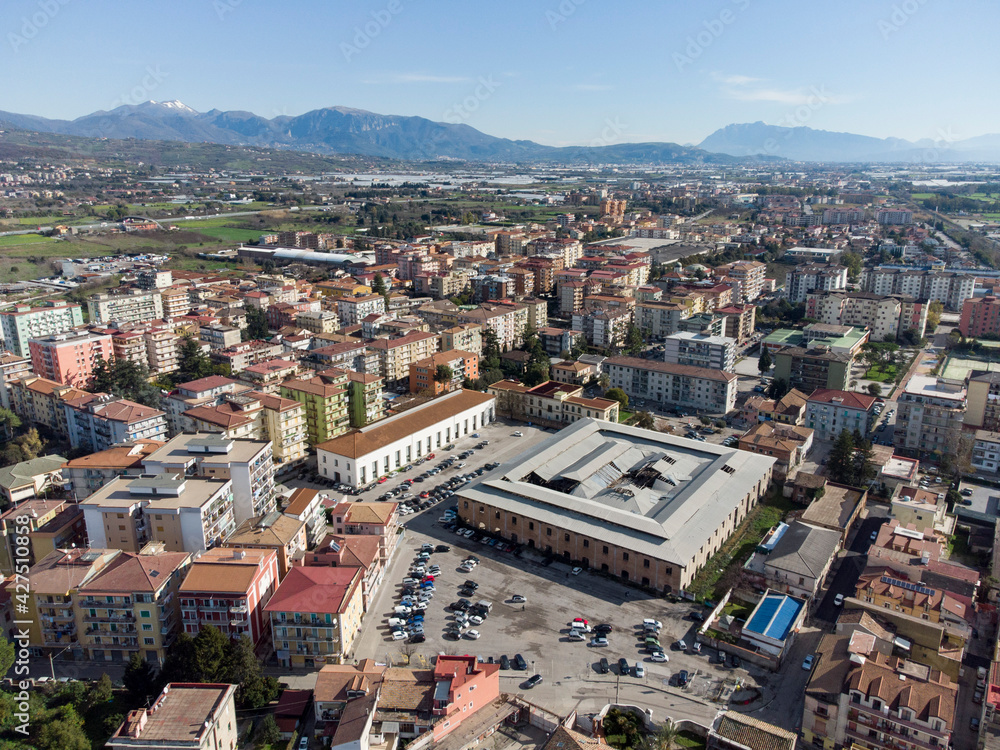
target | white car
x=518, y=599
x=576, y=571
x=473, y=635
x=476, y=620
x=838, y=600
x=398, y=635
x=599, y=641
x=659, y=656
x=402, y=609
x=518, y=433
x=576, y=635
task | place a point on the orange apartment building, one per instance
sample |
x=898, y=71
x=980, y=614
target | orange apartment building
x=423, y=373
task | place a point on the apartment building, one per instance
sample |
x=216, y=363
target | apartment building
x=366, y=403
x=739, y=321
x=129, y=306
x=347, y=355
x=680, y=386
x=801, y=280
x=750, y=278
x=48, y=525
x=175, y=302
x=228, y=589
x=986, y=451
x=196, y=716
x=467, y=337
x=929, y=418
x=658, y=319
x=12, y=367
x=864, y=692
x=603, y=328
x=794, y=558
x=23, y=322
x=894, y=216
x=187, y=514
x=395, y=355
x=70, y=358
x=315, y=615
x=830, y=412
x=162, y=350
x=287, y=536
x=362, y=456
x=812, y=369
x=699, y=350
x=52, y=585
x=241, y=356
x=424, y=373
x=40, y=400
x=131, y=346
x=87, y=474
x=95, y=422
x=307, y=505
x=788, y=444
x=983, y=409
x=246, y=464
x=951, y=289
x=325, y=399
x=885, y=316
x=283, y=422
x=130, y=606
x=219, y=336
x=441, y=284
x=378, y=520
x=352, y=310
x=980, y=317
x=550, y=403
x=318, y=321
x=506, y=321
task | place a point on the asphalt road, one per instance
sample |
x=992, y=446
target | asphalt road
x=851, y=566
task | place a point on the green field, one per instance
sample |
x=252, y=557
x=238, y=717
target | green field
x=921, y=196
x=882, y=375
x=230, y=234
x=24, y=239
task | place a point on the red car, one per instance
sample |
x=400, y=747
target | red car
x=430, y=456
x=425, y=494
x=383, y=480
x=428, y=578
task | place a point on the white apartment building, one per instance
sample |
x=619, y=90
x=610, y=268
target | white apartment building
x=134, y=306
x=352, y=310
x=749, y=276
x=699, y=350
x=24, y=322
x=816, y=276
x=951, y=289
x=681, y=386
x=885, y=316
x=986, y=451
x=930, y=416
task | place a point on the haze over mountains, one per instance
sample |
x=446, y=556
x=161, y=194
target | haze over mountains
x=806, y=144
x=342, y=130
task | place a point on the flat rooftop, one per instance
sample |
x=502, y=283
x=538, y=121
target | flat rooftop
x=931, y=387
x=774, y=616
x=176, y=450
x=180, y=714
x=195, y=494
x=657, y=494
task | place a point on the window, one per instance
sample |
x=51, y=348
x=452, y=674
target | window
x=148, y=641
x=586, y=543
x=565, y=537
x=625, y=556
x=147, y=626
x=605, y=550
x=143, y=613
x=548, y=532
x=465, y=504
x=645, y=563
x=531, y=525
x=513, y=519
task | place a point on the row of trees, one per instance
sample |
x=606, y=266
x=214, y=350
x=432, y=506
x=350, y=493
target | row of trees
x=851, y=460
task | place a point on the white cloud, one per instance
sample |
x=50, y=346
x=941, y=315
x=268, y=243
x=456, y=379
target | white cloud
x=734, y=80
x=747, y=89
x=417, y=78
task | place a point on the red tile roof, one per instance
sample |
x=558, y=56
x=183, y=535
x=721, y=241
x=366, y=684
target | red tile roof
x=319, y=590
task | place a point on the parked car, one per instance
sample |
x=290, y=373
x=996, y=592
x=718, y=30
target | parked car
x=623, y=668
x=683, y=678
x=603, y=666
x=658, y=656
x=504, y=662
x=520, y=662
x=838, y=600
x=535, y=679
x=640, y=670
x=807, y=664
x=599, y=641
x=518, y=599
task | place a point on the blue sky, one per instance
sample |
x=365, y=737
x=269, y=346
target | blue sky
x=554, y=71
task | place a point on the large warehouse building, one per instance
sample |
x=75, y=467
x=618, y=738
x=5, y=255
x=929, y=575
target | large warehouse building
x=642, y=505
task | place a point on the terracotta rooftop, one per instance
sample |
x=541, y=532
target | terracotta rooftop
x=118, y=457
x=316, y=590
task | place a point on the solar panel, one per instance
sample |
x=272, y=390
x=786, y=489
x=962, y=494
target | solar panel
x=908, y=586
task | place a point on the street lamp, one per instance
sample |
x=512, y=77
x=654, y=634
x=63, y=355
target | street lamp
x=52, y=667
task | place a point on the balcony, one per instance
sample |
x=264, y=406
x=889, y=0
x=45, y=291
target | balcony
x=238, y=609
x=102, y=618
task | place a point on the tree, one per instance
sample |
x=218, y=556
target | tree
x=62, y=731
x=127, y=379
x=603, y=381
x=617, y=394
x=140, y=680
x=194, y=363
x=778, y=388
x=181, y=664
x=443, y=373
x=840, y=462
x=863, y=464
x=764, y=361
x=211, y=650
x=10, y=422
x=644, y=420
x=665, y=737
x=875, y=389
x=101, y=691
x=6, y=656
x=535, y=373
x=854, y=263
x=243, y=668
x=633, y=340
x=934, y=315
x=256, y=324
x=378, y=285
x=268, y=732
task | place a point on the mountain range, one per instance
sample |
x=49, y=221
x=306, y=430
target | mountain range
x=342, y=130
x=807, y=144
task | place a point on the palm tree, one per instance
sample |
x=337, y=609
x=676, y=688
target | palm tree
x=664, y=739
x=644, y=420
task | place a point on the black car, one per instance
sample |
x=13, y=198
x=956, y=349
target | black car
x=459, y=606
x=453, y=635
x=535, y=679
x=603, y=629
x=522, y=665
x=471, y=585
x=698, y=616
x=682, y=678
x=467, y=592
x=604, y=667
x=418, y=638
x=623, y=668
x=504, y=662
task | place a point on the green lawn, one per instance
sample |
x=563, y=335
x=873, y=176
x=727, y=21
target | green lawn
x=24, y=239
x=230, y=234
x=624, y=416
x=886, y=375
x=689, y=740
